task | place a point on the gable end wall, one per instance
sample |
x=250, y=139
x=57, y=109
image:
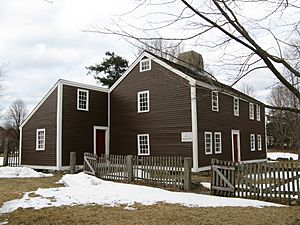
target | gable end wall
x=44, y=117
x=169, y=115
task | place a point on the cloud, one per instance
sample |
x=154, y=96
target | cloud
x=43, y=42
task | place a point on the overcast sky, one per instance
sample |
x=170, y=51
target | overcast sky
x=42, y=42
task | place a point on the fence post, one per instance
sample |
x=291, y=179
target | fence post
x=129, y=163
x=187, y=174
x=72, y=162
x=5, y=160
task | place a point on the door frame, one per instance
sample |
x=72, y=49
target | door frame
x=106, y=138
x=238, y=144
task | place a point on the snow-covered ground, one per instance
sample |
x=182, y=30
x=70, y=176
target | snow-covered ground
x=20, y=172
x=81, y=189
x=275, y=155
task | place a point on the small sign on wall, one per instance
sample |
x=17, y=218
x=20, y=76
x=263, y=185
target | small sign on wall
x=186, y=136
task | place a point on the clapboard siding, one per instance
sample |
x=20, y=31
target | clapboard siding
x=170, y=113
x=224, y=121
x=77, y=126
x=43, y=118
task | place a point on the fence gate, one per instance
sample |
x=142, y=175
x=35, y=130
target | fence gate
x=90, y=163
x=223, y=178
x=275, y=181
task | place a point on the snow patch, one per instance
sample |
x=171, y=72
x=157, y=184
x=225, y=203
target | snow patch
x=206, y=184
x=83, y=189
x=20, y=172
x=130, y=208
x=1, y=163
x=275, y=155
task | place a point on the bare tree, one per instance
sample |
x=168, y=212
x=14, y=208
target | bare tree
x=247, y=89
x=234, y=26
x=283, y=126
x=2, y=72
x=163, y=48
x=16, y=114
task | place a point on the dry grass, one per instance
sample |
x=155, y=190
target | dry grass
x=14, y=188
x=157, y=214
x=143, y=215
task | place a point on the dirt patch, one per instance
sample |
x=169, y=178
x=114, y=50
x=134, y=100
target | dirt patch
x=157, y=214
x=13, y=188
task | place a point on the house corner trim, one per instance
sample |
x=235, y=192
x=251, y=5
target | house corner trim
x=59, y=126
x=20, y=147
x=194, y=126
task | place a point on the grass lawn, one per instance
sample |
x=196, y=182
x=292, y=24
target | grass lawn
x=156, y=214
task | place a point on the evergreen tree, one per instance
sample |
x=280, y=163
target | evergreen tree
x=113, y=66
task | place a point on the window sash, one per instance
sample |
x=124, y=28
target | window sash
x=257, y=112
x=252, y=142
x=259, y=144
x=143, y=144
x=40, y=139
x=82, y=99
x=145, y=65
x=218, y=142
x=143, y=101
x=208, y=143
x=215, y=101
x=236, y=106
x=251, y=111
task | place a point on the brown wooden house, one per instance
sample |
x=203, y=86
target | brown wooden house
x=157, y=107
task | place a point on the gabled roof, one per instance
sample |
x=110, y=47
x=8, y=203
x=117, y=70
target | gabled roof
x=200, y=78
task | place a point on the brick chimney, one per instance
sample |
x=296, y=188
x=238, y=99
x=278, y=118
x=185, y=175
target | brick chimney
x=192, y=60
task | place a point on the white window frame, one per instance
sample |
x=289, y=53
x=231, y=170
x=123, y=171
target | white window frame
x=209, y=152
x=139, y=101
x=236, y=106
x=259, y=144
x=258, y=112
x=252, y=142
x=251, y=111
x=215, y=100
x=142, y=68
x=37, y=146
x=219, y=151
x=139, y=143
x=87, y=99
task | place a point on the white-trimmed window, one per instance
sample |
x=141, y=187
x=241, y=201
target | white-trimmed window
x=236, y=106
x=252, y=142
x=208, y=142
x=40, y=139
x=145, y=65
x=214, y=101
x=251, y=111
x=218, y=142
x=143, y=144
x=82, y=99
x=143, y=101
x=257, y=112
x=259, y=146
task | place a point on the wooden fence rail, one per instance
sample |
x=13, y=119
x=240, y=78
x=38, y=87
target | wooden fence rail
x=275, y=181
x=152, y=170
